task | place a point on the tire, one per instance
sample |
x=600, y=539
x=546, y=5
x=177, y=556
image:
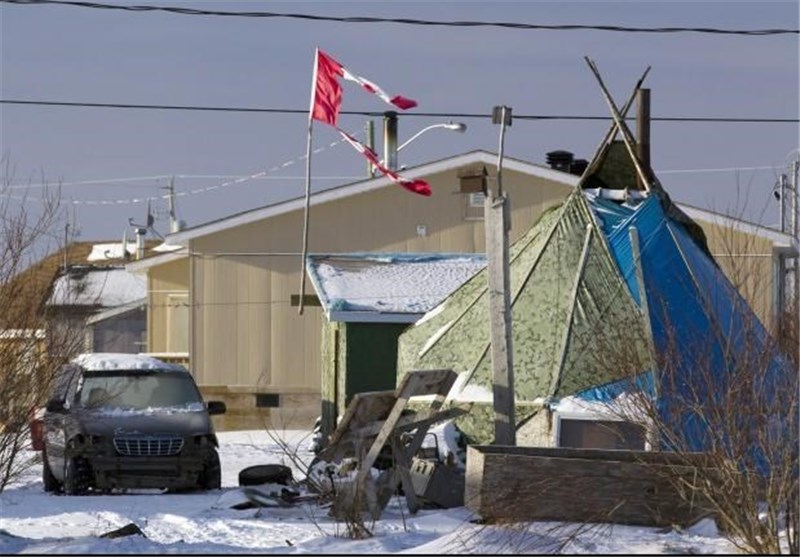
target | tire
x=211, y=476
x=77, y=476
x=51, y=484
x=266, y=474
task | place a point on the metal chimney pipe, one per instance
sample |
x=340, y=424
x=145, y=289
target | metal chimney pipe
x=369, y=130
x=140, y=232
x=643, y=132
x=390, y=139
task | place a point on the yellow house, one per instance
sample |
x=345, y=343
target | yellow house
x=227, y=303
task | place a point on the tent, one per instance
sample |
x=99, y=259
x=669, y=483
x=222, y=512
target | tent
x=565, y=288
x=581, y=322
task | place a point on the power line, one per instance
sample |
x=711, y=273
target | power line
x=304, y=112
x=129, y=201
x=105, y=182
x=417, y=22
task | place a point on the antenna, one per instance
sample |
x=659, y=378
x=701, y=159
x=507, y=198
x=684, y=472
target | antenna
x=142, y=229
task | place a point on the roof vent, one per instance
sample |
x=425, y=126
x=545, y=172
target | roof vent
x=578, y=166
x=560, y=160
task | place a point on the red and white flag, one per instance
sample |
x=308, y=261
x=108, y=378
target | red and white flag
x=327, y=98
x=417, y=186
x=328, y=92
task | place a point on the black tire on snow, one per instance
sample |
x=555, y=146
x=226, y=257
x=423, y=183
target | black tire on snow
x=51, y=484
x=265, y=474
x=211, y=476
x=77, y=476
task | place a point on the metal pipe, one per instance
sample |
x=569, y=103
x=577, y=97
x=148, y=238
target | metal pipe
x=369, y=130
x=390, y=139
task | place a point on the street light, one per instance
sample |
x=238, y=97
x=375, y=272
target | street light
x=459, y=127
x=390, y=148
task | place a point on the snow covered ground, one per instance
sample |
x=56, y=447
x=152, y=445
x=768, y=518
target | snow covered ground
x=32, y=521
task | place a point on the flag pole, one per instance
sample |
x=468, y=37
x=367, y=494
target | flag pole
x=308, y=185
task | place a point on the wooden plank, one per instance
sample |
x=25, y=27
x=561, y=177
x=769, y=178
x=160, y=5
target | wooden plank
x=425, y=418
x=379, y=415
x=403, y=465
x=524, y=485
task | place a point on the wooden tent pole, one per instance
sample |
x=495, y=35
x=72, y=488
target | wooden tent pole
x=623, y=128
x=612, y=132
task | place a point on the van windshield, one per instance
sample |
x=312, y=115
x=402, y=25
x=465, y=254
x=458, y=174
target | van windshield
x=137, y=390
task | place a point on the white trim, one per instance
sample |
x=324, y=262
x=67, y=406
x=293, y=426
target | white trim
x=143, y=265
x=367, y=185
x=372, y=317
x=578, y=416
x=130, y=306
x=778, y=238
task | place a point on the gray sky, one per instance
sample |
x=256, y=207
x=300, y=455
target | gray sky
x=66, y=53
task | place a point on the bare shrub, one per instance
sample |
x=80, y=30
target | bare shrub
x=29, y=357
x=725, y=386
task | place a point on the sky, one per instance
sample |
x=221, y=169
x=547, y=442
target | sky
x=73, y=54
x=35, y=522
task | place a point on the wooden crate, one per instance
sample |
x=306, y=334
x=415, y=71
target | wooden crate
x=522, y=484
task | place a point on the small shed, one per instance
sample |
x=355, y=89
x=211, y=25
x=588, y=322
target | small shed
x=368, y=301
x=119, y=329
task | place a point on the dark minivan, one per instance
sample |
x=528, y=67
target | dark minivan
x=128, y=421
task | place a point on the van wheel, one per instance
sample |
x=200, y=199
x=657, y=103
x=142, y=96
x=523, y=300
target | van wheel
x=77, y=476
x=50, y=482
x=211, y=476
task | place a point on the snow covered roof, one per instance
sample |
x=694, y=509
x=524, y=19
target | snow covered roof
x=105, y=287
x=389, y=288
x=104, y=252
x=110, y=361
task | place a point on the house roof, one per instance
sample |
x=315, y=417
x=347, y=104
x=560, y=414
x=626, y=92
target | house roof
x=387, y=288
x=103, y=287
x=370, y=184
x=35, y=283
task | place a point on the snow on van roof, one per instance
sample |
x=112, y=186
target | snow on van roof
x=109, y=361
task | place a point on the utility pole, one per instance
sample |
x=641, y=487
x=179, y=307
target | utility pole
x=173, y=220
x=497, y=223
x=66, y=246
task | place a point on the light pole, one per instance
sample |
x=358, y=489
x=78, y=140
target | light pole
x=454, y=126
x=390, y=148
x=497, y=219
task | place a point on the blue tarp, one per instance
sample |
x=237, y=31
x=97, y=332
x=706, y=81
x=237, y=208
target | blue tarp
x=702, y=328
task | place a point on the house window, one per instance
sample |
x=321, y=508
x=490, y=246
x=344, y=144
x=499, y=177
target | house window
x=473, y=209
x=268, y=400
x=177, y=323
x=476, y=199
x=600, y=434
